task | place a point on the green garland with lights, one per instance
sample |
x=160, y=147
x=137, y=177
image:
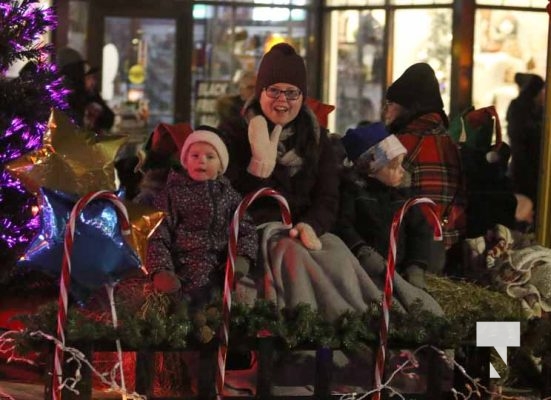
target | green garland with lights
x=166, y=323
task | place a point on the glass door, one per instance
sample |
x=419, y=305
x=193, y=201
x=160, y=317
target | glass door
x=229, y=42
x=138, y=71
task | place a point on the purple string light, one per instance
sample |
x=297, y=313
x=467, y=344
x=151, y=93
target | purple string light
x=25, y=106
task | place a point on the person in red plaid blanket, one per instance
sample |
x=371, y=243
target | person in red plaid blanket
x=414, y=112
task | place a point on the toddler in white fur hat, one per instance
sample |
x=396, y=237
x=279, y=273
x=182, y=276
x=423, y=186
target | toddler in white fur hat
x=187, y=253
x=370, y=196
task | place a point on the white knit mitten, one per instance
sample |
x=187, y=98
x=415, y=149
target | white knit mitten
x=263, y=147
x=307, y=236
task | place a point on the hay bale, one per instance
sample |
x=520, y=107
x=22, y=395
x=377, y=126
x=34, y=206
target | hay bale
x=466, y=302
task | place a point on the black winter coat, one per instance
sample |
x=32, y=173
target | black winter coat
x=367, y=209
x=524, y=128
x=312, y=193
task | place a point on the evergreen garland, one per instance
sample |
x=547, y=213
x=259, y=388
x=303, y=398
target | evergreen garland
x=149, y=319
x=174, y=328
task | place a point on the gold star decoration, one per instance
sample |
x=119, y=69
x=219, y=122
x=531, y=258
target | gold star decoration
x=143, y=220
x=71, y=159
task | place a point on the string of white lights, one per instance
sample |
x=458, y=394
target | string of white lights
x=109, y=379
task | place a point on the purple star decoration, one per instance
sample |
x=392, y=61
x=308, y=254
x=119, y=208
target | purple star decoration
x=25, y=106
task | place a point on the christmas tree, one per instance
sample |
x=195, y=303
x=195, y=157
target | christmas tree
x=25, y=106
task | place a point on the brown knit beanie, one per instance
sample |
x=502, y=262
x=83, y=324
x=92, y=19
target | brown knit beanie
x=281, y=64
x=417, y=86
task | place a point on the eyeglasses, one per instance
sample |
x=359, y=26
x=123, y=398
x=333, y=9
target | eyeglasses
x=290, y=94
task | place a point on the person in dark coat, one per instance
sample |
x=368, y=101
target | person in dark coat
x=284, y=147
x=414, y=112
x=229, y=107
x=524, y=129
x=161, y=153
x=485, y=160
x=370, y=197
x=72, y=67
x=98, y=116
x=188, y=250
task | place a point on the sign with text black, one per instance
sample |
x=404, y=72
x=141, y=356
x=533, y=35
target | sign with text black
x=207, y=93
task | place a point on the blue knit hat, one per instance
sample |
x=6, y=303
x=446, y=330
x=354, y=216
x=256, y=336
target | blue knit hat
x=374, y=143
x=358, y=140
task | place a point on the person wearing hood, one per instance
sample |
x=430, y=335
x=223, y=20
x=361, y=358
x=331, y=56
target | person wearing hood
x=524, y=128
x=370, y=196
x=414, y=112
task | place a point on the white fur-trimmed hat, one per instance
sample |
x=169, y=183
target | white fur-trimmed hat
x=205, y=135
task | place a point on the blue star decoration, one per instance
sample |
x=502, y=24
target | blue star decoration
x=100, y=254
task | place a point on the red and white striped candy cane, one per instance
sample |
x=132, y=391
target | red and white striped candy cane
x=230, y=268
x=65, y=280
x=429, y=205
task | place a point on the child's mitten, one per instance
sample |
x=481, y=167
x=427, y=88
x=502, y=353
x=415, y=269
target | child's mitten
x=307, y=236
x=415, y=275
x=371, y=261
x=242, y=265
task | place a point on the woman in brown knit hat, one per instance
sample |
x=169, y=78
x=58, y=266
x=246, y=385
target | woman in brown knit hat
x=285, y=148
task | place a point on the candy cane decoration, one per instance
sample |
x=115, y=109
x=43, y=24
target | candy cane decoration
x=230, y=268
x=65, y=280
x=429, y=206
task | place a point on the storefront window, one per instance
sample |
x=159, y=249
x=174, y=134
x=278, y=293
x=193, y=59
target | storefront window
x=138, y=70
x=78, y=23
x=378, y=3
x=356, y=63
x=514, y=3
x=272, y=2
x=419, y=2
x=355, y=3
x=230, y=40
x=356, y=49
x=506, y=42
x=429, y=42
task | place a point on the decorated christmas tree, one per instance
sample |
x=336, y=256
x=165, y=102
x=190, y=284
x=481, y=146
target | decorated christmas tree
x=26, y=102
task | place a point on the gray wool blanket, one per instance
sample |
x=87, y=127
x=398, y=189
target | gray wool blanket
x=330, y=280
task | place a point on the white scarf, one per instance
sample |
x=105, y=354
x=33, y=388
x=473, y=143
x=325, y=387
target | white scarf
x=289, y=159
